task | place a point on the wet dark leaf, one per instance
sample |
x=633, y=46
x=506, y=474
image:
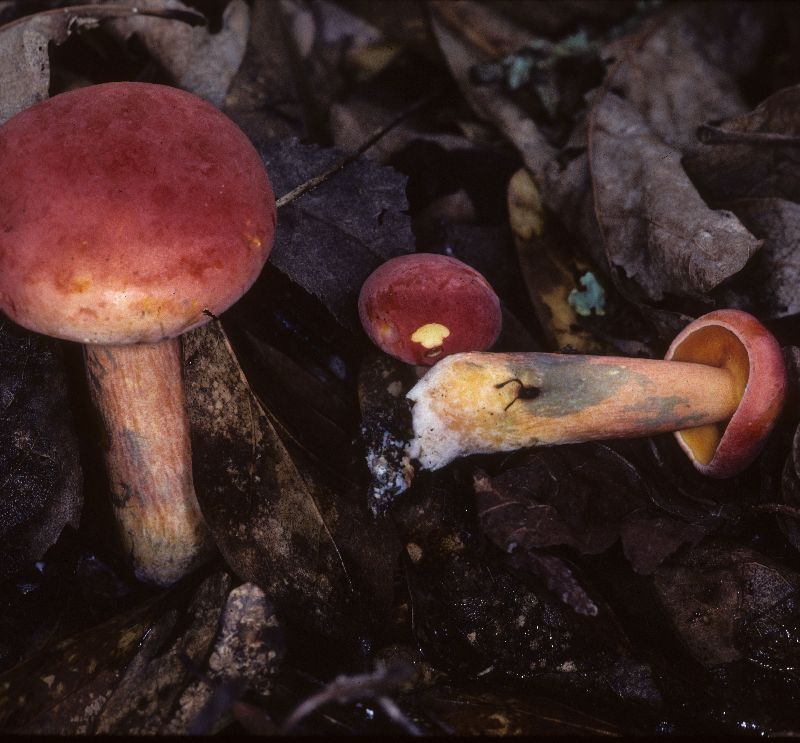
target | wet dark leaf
x=717, y=594
x=77, y=672
x=310, y=407
x=261, y=512
x=585, y=497
x=648, y=539
x=558, y=577
x=554, y=498
x=274, y=523
x=39, y=461
x=467, y=709
x=70, y=588
x=330, y=239
x=737, y=612
x=473, y=614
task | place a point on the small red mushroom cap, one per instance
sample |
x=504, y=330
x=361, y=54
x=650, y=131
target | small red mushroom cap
x=424, y=306
x=128, y=210
x=735, y=341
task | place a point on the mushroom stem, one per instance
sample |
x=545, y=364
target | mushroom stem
x=478, y=403
x=138, y=392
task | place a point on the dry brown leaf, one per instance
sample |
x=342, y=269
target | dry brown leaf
x=657, y=230
x=197, y=60
x=753, y=155
x=24, y=60
x=262, y=98
x=355, y=120
x=749, y=164
x=488, y=103
x=681, y=68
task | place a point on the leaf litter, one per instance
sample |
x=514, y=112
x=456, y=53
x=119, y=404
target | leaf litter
x=599, y=588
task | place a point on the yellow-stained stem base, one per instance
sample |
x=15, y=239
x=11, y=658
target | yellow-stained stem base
x=138, y=392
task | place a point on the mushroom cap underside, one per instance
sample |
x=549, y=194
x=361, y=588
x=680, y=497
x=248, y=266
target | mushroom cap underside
x=735, y=341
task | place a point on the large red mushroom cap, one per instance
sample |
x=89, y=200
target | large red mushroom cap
x=735, y=341
x=127, y=210
x=424, y=306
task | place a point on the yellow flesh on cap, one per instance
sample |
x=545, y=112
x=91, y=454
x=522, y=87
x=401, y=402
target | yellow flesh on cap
x=431, y=335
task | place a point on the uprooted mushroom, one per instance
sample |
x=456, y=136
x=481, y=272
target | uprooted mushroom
x=720, y=389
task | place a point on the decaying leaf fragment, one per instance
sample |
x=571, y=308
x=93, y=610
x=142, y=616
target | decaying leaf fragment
x=729, y=603
x=40, y=474
x=151, y=685
x=548, y=268
x=462, y=54
x=247, y=651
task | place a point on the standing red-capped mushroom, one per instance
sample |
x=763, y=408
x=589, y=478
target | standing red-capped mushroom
x=721, y=389
x=422, y=307
x=129, y=213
